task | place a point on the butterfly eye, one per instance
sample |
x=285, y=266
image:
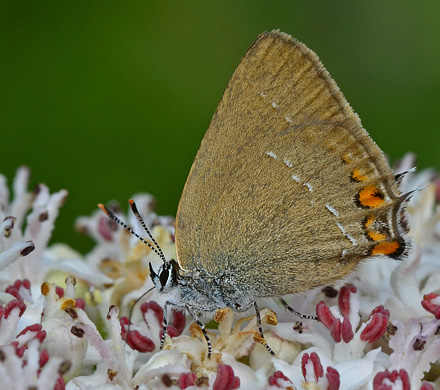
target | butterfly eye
x=164, y=275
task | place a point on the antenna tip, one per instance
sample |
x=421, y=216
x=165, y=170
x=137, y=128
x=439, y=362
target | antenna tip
x=103, y=208
x=133, y=206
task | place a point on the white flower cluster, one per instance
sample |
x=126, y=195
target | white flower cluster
x=64, y=316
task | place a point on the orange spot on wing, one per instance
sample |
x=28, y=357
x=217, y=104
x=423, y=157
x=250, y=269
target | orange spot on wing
x=375, y=236
x=370, y=220
x=346, y=158
x=358, y=176
x=385, y=248
x=370, y=196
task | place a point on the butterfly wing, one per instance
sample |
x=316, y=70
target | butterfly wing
x=287, y=191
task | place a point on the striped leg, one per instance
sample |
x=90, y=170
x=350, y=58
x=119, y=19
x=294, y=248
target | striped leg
x=194, y=316
x=201, y=325
x=260, y=330
x=297, y=313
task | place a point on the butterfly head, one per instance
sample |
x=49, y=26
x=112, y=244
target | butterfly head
x=166, y=278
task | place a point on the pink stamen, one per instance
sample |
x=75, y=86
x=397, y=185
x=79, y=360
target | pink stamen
x=273, y=380
x=426, y=386
x=333, y=379
x=11, y=305
x=186, y=379
x=139, y=342
x=347, y=330
x=31, y=328
x=59, y=291
x=430, y=306
x=171, y=331
x=106, y=227
x=324, y=314
x=344, y=299
x=226, y=380
x=26, y=283
x=124, y=322
x=19, y=351
x=335, y=330
x=179, y=321
x=339, y=330
x=80, y=303
x=379, y=379
x=157, y=309
x=40, y=334
x=175, y=328
x=318, y=370
x=376, y=326
x=60, y=384
x=380, y=310
x=14, y=289
x=44, y=357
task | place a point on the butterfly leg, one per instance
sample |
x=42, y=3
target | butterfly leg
x=164, y=322
x=297, y=313
x=260, y=329
x=165, y=318
x=194, y=316
x=258, y=317
x=201, y=326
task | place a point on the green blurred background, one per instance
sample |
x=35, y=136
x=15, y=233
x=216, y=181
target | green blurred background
x=107, y=99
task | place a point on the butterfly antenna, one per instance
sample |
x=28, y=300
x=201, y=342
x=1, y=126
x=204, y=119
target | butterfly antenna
x=117, y=220
x=141, y=221
x=131, y=311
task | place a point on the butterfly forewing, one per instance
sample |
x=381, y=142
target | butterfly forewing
x=287, y=189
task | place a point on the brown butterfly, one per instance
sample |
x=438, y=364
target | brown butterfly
x=287, y=192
